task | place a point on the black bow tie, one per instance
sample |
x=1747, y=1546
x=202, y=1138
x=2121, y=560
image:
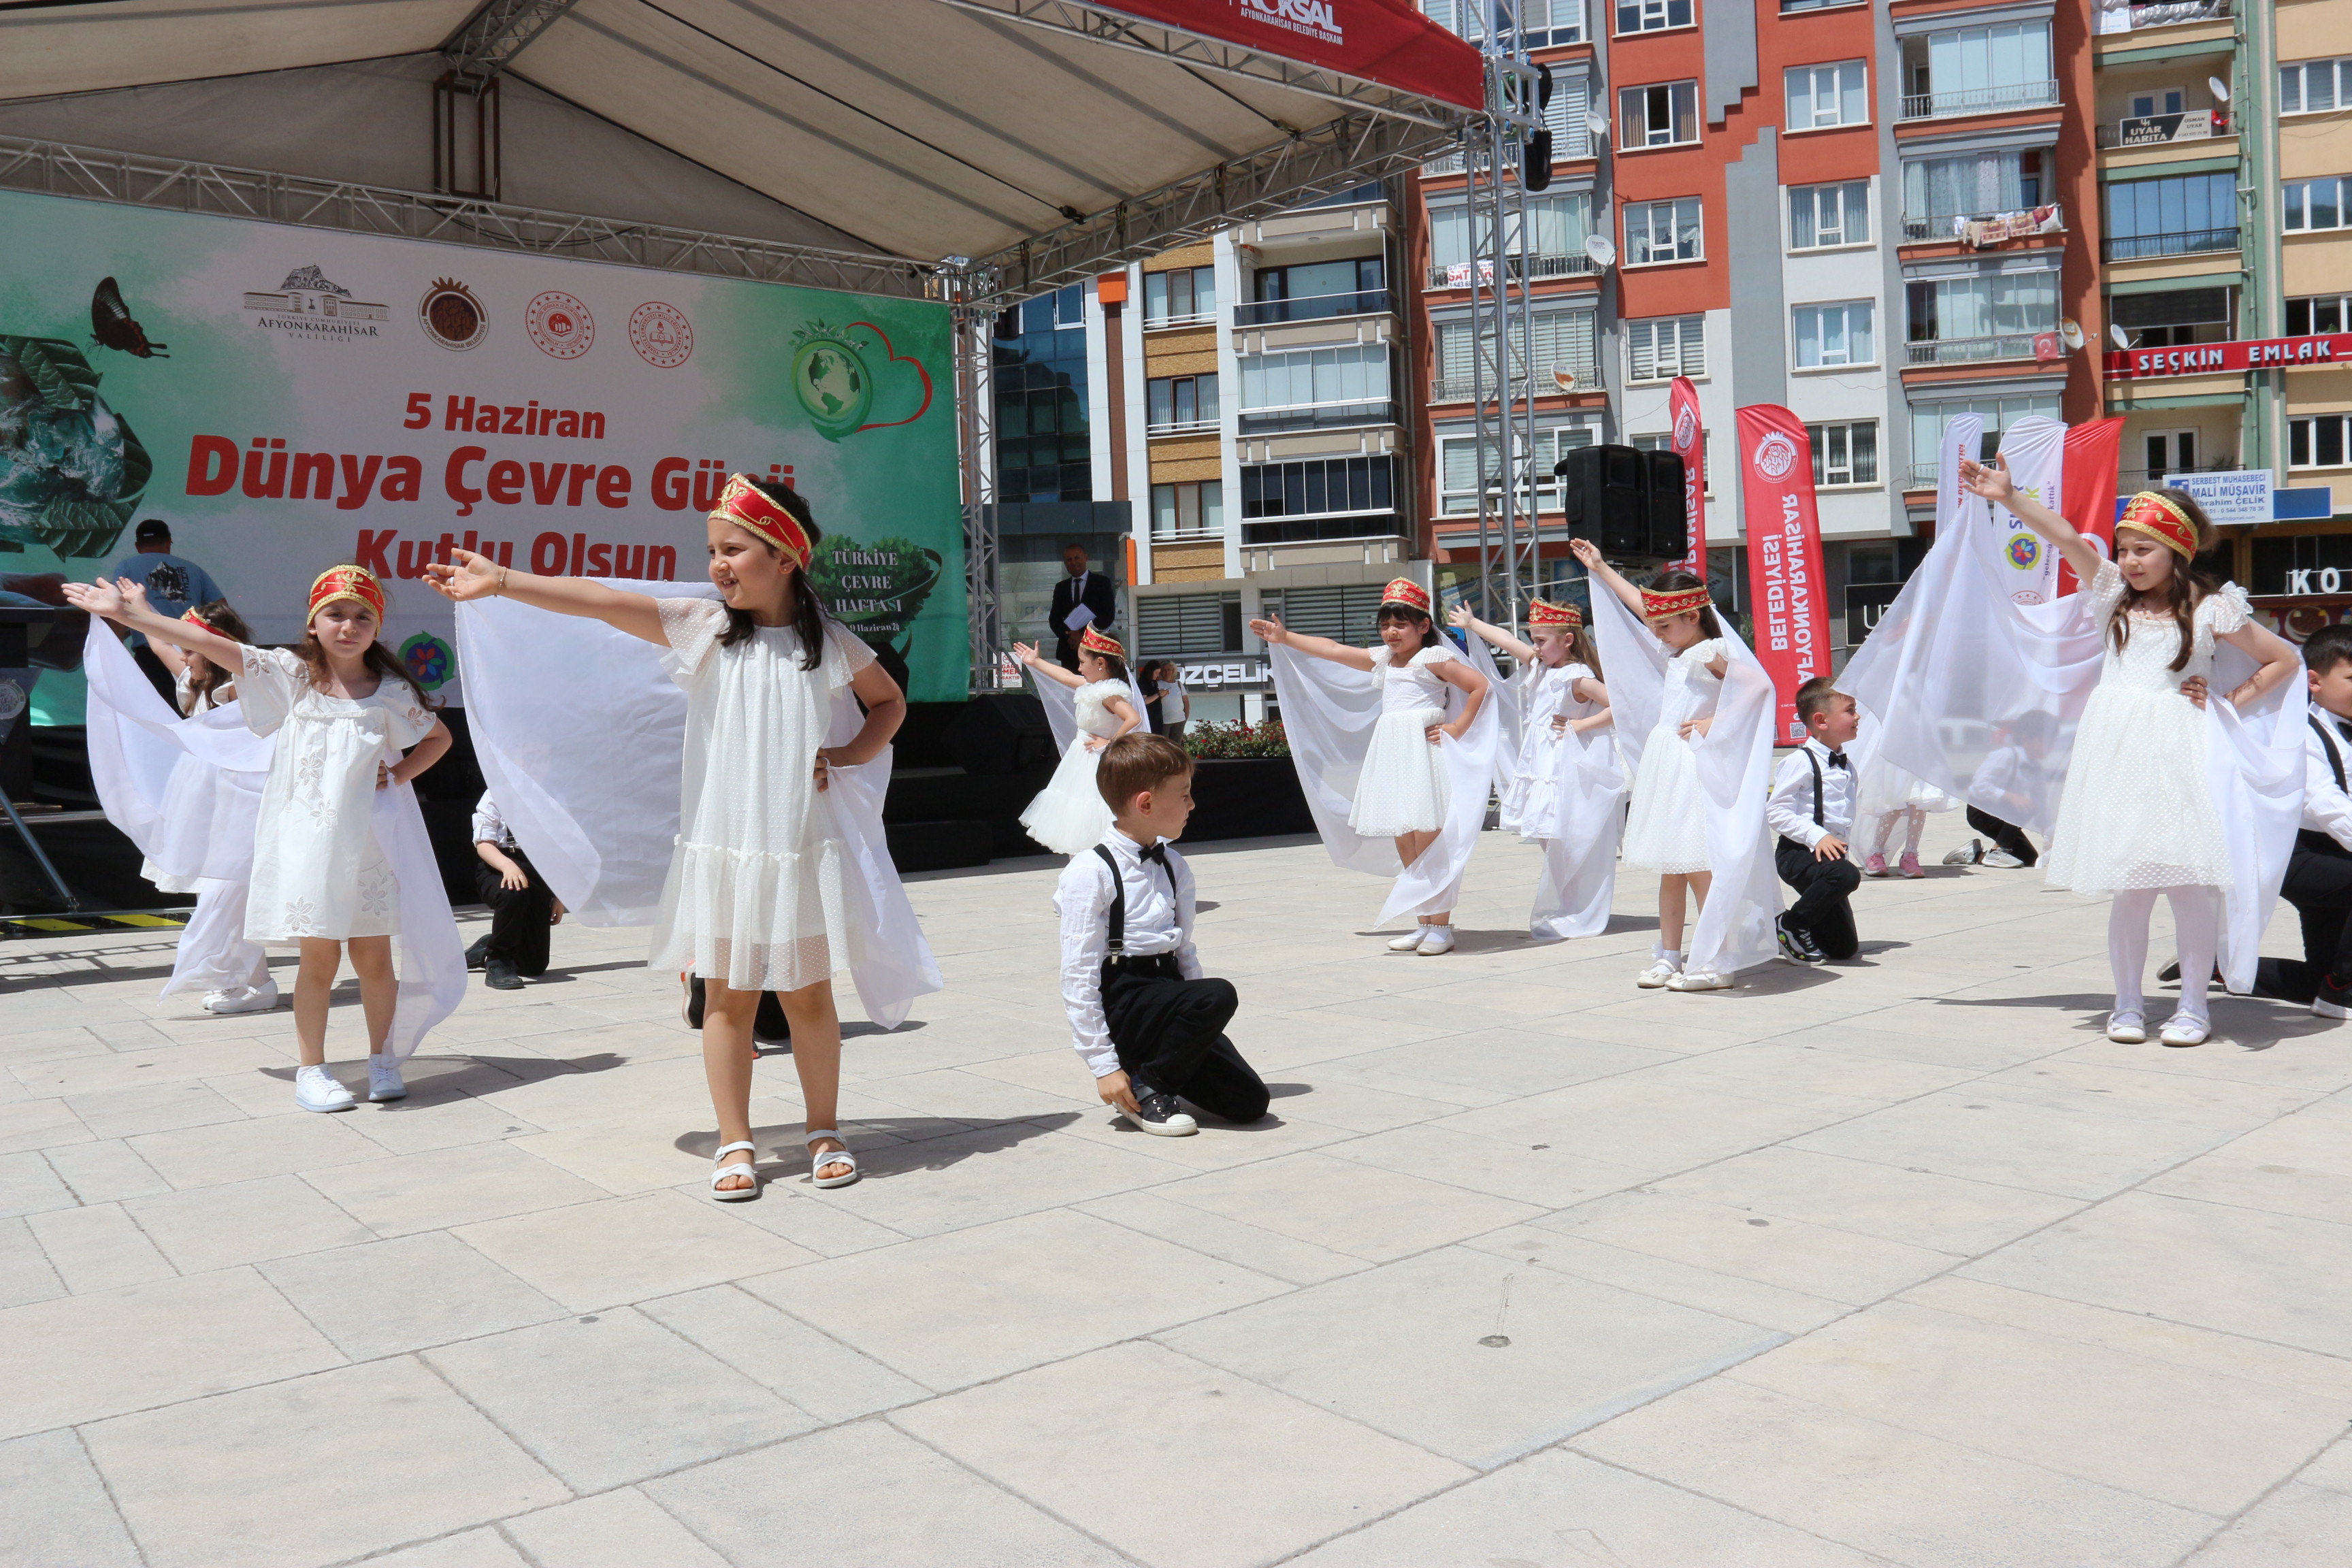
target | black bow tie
x=1837, y=760
x=1159, y=851
x=2344, y=727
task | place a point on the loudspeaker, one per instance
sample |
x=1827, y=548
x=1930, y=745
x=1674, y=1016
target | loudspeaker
x=1669, y=519
x=1003, y=732
x=1605, y=490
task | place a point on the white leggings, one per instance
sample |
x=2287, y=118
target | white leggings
x=2194, y=927
x=1916, y=823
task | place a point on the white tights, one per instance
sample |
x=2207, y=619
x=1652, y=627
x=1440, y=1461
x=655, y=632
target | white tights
x=1915, y=823
x=2194, y=927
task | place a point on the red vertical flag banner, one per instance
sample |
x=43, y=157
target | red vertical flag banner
x=1682, y=406
x=2087, y=495
x=1784, y=555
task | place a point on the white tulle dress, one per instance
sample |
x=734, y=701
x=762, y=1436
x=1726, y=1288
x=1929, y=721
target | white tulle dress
x=2138, y=812
x=1529, y=798
x=754, y=896
x=1402, y=788
x=1665, y=829
x=1069, y=815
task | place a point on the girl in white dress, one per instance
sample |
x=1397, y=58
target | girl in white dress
x=1665, y=828
x=344, y=711
x=2137, y=817
x=1401, y=790
x=1069, y=815
x=1886, y=796
x=754, y=901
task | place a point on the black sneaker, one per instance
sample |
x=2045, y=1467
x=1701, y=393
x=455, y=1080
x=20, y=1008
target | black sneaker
x=499, y=975
x=2334, y=1000
x=1160, y=1115
x=2168, y=974
x=1797, y=946
x=475, y=955
x=693, y=1001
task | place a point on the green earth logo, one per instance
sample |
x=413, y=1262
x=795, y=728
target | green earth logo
x=829, y=377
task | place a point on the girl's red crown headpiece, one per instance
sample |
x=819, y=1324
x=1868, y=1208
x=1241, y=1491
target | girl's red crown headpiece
x=347, y=582
x=745, y=505
x=2152, y=513
x=1674, y=602
x=1543, y=613
x=1406, y=592
x=203, y=625
x=1095, y=641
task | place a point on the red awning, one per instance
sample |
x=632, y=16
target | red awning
x=1383, y=41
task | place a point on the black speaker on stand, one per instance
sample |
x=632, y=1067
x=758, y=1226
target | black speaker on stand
x=1669, y=517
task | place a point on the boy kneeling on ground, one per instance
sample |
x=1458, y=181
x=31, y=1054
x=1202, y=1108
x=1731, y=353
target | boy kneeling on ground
x=1143, y=1017
x=1812, y=810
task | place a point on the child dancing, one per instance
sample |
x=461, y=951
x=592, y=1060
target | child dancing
x=2137, y=817
x=1146, y=1021
x=340, y=860
x=1561, y=786
x=1380, y=745
x=1068, y=816
x=755, y=895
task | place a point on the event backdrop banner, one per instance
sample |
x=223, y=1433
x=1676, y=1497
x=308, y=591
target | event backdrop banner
x=1790, y=598
x=288, y=398
x=1689, y=444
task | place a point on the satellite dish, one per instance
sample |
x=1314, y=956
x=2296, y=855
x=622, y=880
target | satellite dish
x=2218, y=88
x=2122, y=339
x=1597, y=123
x=2071, y=331
x=1563, y=378
x=1599, y=248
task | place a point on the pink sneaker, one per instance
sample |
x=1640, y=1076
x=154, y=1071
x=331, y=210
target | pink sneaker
x=1875, y=864
x=1910, y=864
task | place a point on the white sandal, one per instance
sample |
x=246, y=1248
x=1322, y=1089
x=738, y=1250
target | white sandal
x=720, y=1173
x=840, y=1156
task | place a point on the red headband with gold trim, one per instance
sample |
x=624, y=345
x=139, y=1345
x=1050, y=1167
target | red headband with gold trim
x=347, y=582
x=1406, y=592
x=1674, y=602
x=2158, y=514
x=743, y=504
x=203, y=625
x=1096, y=642
x=1543, y=613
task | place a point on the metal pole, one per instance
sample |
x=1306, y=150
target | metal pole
x=33, y=843
x=975, y=331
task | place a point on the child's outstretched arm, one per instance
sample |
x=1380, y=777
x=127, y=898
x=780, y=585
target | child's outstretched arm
x=1584, y=549
x=1462, y=620
x=1274, y=634
x=470, y=576
x=1994, y=485
x=1027, y=654
x=124, y=603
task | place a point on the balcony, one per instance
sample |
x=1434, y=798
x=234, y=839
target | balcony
x=1315, y=416
x=1975, y=351
x=1182, y=427
x=1193, y=319
x=2121, y=16
x=1313, y=308
x=1458, y=274
x=1463, y=388
x=1985, y=228
x=2147, y=247
x=1979, y=99
x=2155, y=130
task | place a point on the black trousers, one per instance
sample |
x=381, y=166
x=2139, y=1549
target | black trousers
x=2319, y=885
x=1169, y=1032
x=519, y=917
x=2007, y=835
x=1825, y=906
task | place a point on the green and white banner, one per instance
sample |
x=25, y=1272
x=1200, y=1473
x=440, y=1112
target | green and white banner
x=289, y=398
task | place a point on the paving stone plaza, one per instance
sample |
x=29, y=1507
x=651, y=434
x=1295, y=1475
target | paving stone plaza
x=1894, y=1262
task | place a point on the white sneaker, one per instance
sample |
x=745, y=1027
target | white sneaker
x=1699, y=980
x=260, y=998
x=1659, y=973
x=2126, y=1028
x=1410, y=941
x=2002, y=858
x=2179, y=1031
x=383, y=1079
x=1436, y=939
x=1968, y=855
x=316, y=1089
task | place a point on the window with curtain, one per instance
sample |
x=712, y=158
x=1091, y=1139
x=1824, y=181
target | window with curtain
x=1564, y=116
x=1188, y=291
x=1928, y=419
x=1664, y=114
x=1981, y=66
x=1188, y=508
x=1820, y=217
x=2311, y=203
x=1845, y=454
x=2000, y=304
x=1822, y=96
x=1178, y=625
x=2313, y=86
x=1558, y=224
x=1562, y=339
x=1834, y=335
x=1353, y=373
x=1177, y=401
x=1663, y=231
x=1664, y=348
x=1973, y=184
x=1348, y=613
x=1458, y=469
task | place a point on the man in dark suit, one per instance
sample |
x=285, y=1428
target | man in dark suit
x=1082, y=590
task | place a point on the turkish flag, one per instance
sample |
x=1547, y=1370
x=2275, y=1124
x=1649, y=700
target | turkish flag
x=2088, y=493
x=1784, y=556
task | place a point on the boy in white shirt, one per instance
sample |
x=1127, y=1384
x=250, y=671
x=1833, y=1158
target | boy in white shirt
x=2319, y=872
x=1812, y=810
x=1143, y=1017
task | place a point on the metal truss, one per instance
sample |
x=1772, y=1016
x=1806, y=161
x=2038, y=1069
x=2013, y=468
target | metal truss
x=1502, y=330
x=975, y=339
x=493, y=35
x=1097, y=25
x=137, y=179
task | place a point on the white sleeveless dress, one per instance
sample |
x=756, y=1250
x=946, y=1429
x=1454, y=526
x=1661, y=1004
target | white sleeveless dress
x=1665, y=830
x=1402, y=788
x=1530, y=799
x=1069, y=815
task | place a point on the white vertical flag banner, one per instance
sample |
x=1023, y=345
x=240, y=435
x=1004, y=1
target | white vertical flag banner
x=2025, y=564
x=1957, y=508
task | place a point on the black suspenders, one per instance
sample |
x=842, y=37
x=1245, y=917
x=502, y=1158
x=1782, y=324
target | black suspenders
x=1815, y=764
x=2335, y=757
x=1117, y=901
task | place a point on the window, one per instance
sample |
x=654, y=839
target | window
x=2313, y=87
x=1043, y=451
x=1564, y=116
x=1188, y=625
x=1348, y=613
x=1983, y=306
x=1662, y=231
x=1665, y=114
x=1650, y=15
x=1563, y=340
x=1189, y=294
x=2174, y=216
x=2317, y=314
x=1820, y=217
x=1834, y=335
x=1313, y=279
x=2158, y=100
x=1178, y=510
x=1356, y=373
x=1979, y=70
x=1458, y=468
x=2169, y=451
x=1543, y=24
x=2318, y=442
x=1791, y=7
x=1927, y=421
x=1316, y=487
x=1822, y=96
x=1181, y=403
x=2311, y=203
x=1558, y=225
x=1664, y=348
x=1845, y=454
x=1937, y=191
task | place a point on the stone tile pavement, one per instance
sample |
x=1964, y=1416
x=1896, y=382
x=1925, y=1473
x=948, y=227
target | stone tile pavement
x=1897, y=1262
